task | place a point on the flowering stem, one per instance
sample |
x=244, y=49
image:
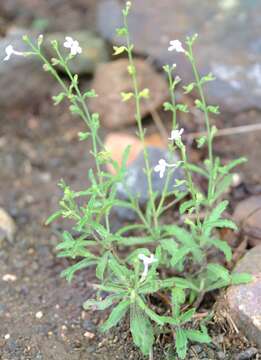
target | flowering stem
x=138, y=117
x=172, y=84
x=206, y=115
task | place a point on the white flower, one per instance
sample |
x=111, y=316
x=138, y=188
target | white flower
x=73, y=45
x=146, y=262
x=176, y=134
x=161, y=167
x=176, y=45
x=11, y=51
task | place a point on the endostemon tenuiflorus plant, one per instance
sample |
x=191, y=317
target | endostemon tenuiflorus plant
x=148, y=259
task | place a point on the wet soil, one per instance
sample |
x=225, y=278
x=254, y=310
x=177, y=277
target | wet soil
x=40, y=312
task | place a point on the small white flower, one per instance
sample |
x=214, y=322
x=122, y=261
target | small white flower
x=176, y=134
x=39, y=315
x=161, y=167
x=146, y=262
x=11, y=51
x=176, y=45
x=73, y=45
x=9, y=278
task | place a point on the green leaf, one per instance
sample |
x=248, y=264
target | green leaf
x=101, y=304
x=119, y=50
x=213, y=109
x=217, y=211
x=53, y=217
x=126, y=96
x=59, y=98
x=145, y=93
x=122, y=31
x=168, y=106
x=135, y=240
x=69, y=272
x=116, y=315
x=225, y=223
x=182, y=108
x=225, y=169
x=187, y=316
x=219, y=271
x=198, y=170
x=90, y=94
x=201, y=141
x=141, y=330
x=207, y=78
x=199, y=105
x=222, y=187
x=222, y=246
x=160, y=320
x=83, y=135
x=181, y=343
x=188, y=88
x=198, y=336
x=185, y=206
x=101, y=266
x=122, y=272
x=241, y=278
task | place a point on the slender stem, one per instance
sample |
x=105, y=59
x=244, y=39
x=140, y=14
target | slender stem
x=139, y=123
x=206, y=115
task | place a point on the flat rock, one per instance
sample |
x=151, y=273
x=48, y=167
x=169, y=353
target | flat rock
x=22, y=79
x=94, y=50
x=244, y=301
x=136, y=181
x=113, y=78
x=7, y=226
x=248, y=215
x=229, y=42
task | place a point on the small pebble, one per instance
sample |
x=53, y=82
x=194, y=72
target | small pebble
x=9, y=277
x=89, y=335
x=221, y=355
x=247, y=354
x=39, y=315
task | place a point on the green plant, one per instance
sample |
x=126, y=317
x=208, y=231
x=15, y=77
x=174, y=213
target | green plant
x=134, y=268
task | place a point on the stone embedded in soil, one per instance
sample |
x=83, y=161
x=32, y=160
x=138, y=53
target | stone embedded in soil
x=248, y=214
x=229, y=42
x=113, y=78
x=94, y=50
x=136, y=181
x=246, y=354
x=117, y=142
x=22, y=79
x=7, y=226
x=244, y=301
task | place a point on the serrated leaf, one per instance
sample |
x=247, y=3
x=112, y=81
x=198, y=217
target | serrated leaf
x=186, y=205
x=102, y=264
x=122, y=272
x=116, y=315
x=198, y=336
x=225, y=169
x=100, y=304
x=160, y=320
x=187, y=316
x=219, y=271
x=69, y=272
x=167, y=106
x=213, y=109
x=141, y=330
x=188, y=88
x=181, y=343
x=182, y=108
x=224, y=247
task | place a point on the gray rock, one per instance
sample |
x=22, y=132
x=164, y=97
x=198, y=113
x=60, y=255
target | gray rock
x=244, y=301
x=247, y=214
x=94, y=50
x=136, y=181
x=246, y=354
x=22, y=79
x=113, y=78
x=229, y=41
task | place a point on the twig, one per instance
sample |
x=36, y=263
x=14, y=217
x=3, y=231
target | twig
x=159, y=124
x=226, y=132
